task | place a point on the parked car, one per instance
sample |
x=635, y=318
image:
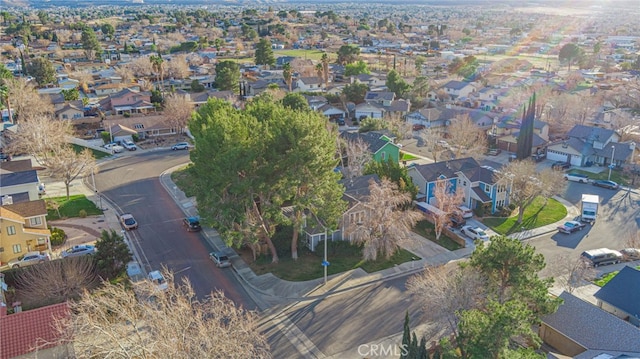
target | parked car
x=221, y=260
x=129, y=145
x=128, y=222
x=192, y=224
x=418, y=127
x=606, y=184
x=158, y=280
x=465, y=212
x=602, y=256
x=576, y=177
x=630, y=254
x=456, y=220
x=28, y=259
x=180, y=146
x=79, y=250
x=475, y=233
x=560, y=166
x=114, y=147
x=570, y=227
x=340, y=121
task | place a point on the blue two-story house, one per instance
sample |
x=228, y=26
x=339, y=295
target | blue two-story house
x=478, y=183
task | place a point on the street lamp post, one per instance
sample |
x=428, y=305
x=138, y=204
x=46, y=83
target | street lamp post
x=613, y=152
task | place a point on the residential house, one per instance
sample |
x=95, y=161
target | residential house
x=70, y=111
x=144, y=126
x=458, y=89
x=200, y=98
x=24, y=228
x=19, y=180
x=111, y=88
x=383, y=98
x=380, y=146
x=386, y=102
x=309, y=84
x=465, y=174
x=356, y=194
x=587, y=145
x=506, y=133
x=365, y=109
x=128, y=101
x=621, y=295
x=371, y=80
x=33, y=333
x=581, y=330
x=441, y=117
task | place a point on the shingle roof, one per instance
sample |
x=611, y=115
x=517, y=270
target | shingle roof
x=456, y=85
x=592, y=327
x=481, y=195
x=16, y=166
x=358, y=187
x=28, y=209
x=432, y=171
x=623, y=291
x=18, y=178
x=377, y=96
x=584, y=132
x=20, y=333
x=374, y=141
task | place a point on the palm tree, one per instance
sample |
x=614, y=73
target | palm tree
x=156, y=63
x=319, y=70
x=325, y=69
x=287, y=74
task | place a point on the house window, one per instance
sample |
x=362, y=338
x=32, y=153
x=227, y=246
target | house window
x=138, y=126
x=65, y=117
x=356, y=217
x=17, y=248
x=383, y=156
x=464, y=183
x=42, y=241
x=11, y=230
x=35, y=221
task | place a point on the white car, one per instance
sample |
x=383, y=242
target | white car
x=129, y=145
x=114, y=148
x=180, y=146
x=79, y=250
x=475, y=233
x=28, y=259
x=128, y=222
x=158, y=281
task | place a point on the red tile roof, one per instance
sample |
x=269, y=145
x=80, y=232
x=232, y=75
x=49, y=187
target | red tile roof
x=20, y=333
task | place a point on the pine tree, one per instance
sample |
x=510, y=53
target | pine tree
x=525, y=138
x=406, y=337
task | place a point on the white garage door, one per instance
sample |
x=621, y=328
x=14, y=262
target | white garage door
x=556, y=156
x=576, y=160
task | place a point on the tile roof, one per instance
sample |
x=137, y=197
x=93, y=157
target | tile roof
x=28, y=209
x=623, y=291
x=21, y=333
x=592, y=327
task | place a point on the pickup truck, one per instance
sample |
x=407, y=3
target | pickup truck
x=576, y=177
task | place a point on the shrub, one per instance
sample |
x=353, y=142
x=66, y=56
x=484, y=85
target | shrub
x=126, y=115
x=82, y=213
x=512, y=206
x=58, y=236
x=135, y=137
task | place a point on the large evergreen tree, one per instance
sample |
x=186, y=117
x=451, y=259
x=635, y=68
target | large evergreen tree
x=227, y=76
x=42, y=70
x=90, y=43
x=525, y=137
x=250, y=163
x=264, y=53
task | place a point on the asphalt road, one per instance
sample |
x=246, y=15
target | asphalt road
x=132, y=184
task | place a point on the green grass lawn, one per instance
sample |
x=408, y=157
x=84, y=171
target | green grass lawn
x=538, y=214
x=97, y=154
x=183, y=180
x=616, y=175
x=407, y=157
x=426, y=229
x=305, y=54
x=72, y=207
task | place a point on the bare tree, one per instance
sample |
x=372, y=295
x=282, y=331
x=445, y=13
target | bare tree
x=447, y=201
x=125, y=74
x=430, y=138
x=527, y=184
x=25, y=100
x=121, y=323
x=358, y=155
x=40, y=137
x=386, y=225
x=579, y=272
x=466, y=137
x=56, y=281
x=177, y=68
x=178, y=109
x=66, y=164
x=632, y=239
x=399, y=127
x=84, y=79
x=444, y=292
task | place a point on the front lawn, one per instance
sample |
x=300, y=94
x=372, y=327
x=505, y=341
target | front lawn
x=407, y=157
x=538, y=214
x=96, y=154
x=607, y=277
x=616, y=175
x=71, y=208
x=426, y=229
x=182, y=179
x=341, y=255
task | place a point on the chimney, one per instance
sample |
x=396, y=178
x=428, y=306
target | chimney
x=6, y=199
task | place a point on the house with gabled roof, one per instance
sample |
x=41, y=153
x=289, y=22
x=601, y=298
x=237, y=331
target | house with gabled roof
x=70, y=111
x=33, y=333
x=366, y=109
x=587, y=145
x=19, y=180
x=456, y=89
x=478, y=183
x=621, y=295
x=24, y=228
x=581, y=330
x=128, y=101
x=380, y=146
x=309, y=84
x=356, y=194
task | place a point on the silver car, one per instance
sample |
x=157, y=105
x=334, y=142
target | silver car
x=180, y=146
x=475, y=233
x=220, y=259
x=79, y=250
x=29, y=259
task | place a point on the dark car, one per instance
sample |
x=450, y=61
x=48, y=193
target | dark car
x=340, y=121
x=192, y=224
x=606, y=184
x=559, y=166
x=570, y=227
x=418, y=127
x=456, y=220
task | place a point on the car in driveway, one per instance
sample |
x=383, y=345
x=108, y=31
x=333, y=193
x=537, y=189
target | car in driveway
x=418, y=127
x=560, y=166
x=220, y=259
x=79, y=250
x=114, y=147
x=129, y=145
x=570, y=227
x=630, y=254
x=180, y=146
x=128, y=222
x=602, y=256
x=191, y=224
x=28, y=259
x=475, y=233
x=606, y=184
x=456, y=220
